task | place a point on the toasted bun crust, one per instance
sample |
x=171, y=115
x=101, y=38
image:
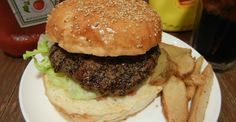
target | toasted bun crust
x=104, y=27
x=108, y=109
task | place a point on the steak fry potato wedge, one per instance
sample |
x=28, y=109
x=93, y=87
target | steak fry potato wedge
x=186, y=89
x=174, y=100
x=181, y=57
x=195, y=79
x=163, y=70
x=201, y=97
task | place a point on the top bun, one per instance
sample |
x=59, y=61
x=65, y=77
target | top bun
x=104, y=27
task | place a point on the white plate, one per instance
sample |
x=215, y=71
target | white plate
x=36, y=107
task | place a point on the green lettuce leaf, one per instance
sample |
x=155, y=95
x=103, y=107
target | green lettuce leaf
x=72, y=88
x=43, y=48
x=59, y=80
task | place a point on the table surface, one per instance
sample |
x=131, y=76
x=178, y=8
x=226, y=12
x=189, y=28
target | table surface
x=11, y=70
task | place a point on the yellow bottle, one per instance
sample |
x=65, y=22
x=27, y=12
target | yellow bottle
x=176, y=15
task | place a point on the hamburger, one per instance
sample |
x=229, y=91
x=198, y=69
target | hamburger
x=107, y=51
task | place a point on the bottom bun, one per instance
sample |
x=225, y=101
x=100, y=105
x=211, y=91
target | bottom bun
x=105, y=109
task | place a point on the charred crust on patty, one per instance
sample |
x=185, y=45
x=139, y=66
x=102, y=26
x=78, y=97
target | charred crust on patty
x=107, y=76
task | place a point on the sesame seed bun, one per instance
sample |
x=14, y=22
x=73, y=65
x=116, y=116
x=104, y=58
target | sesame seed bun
x=104, y=27
x=109, y=109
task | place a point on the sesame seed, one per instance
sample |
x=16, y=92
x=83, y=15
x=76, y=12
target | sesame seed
x=101, y=32
x=121, y=9
x=110, y=30
x=139, y=46
x=104, y=14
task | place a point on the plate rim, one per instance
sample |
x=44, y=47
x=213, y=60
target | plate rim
x=175, y=40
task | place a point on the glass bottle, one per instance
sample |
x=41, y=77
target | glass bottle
x=21, y=23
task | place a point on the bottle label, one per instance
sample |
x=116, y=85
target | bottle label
x=31, y=12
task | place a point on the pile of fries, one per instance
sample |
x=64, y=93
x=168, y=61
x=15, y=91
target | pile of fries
x=184, y=83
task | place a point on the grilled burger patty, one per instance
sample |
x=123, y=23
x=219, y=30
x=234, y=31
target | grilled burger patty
x=106, y=75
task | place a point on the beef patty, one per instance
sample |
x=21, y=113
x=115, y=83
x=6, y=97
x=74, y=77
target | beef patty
x=106, y=75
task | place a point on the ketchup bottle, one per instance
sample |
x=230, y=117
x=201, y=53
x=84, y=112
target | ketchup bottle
x=21, y=23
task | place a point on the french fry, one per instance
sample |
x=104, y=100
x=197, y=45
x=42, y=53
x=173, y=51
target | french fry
x=198, y=79
x=174, y=100
x=185, y=64
x=195, y=78
x=198, y=65
x=190, y=89
x=162, y=71
x=174, y=50
x=183, y=82
x=181, y=57
x=201, y=97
